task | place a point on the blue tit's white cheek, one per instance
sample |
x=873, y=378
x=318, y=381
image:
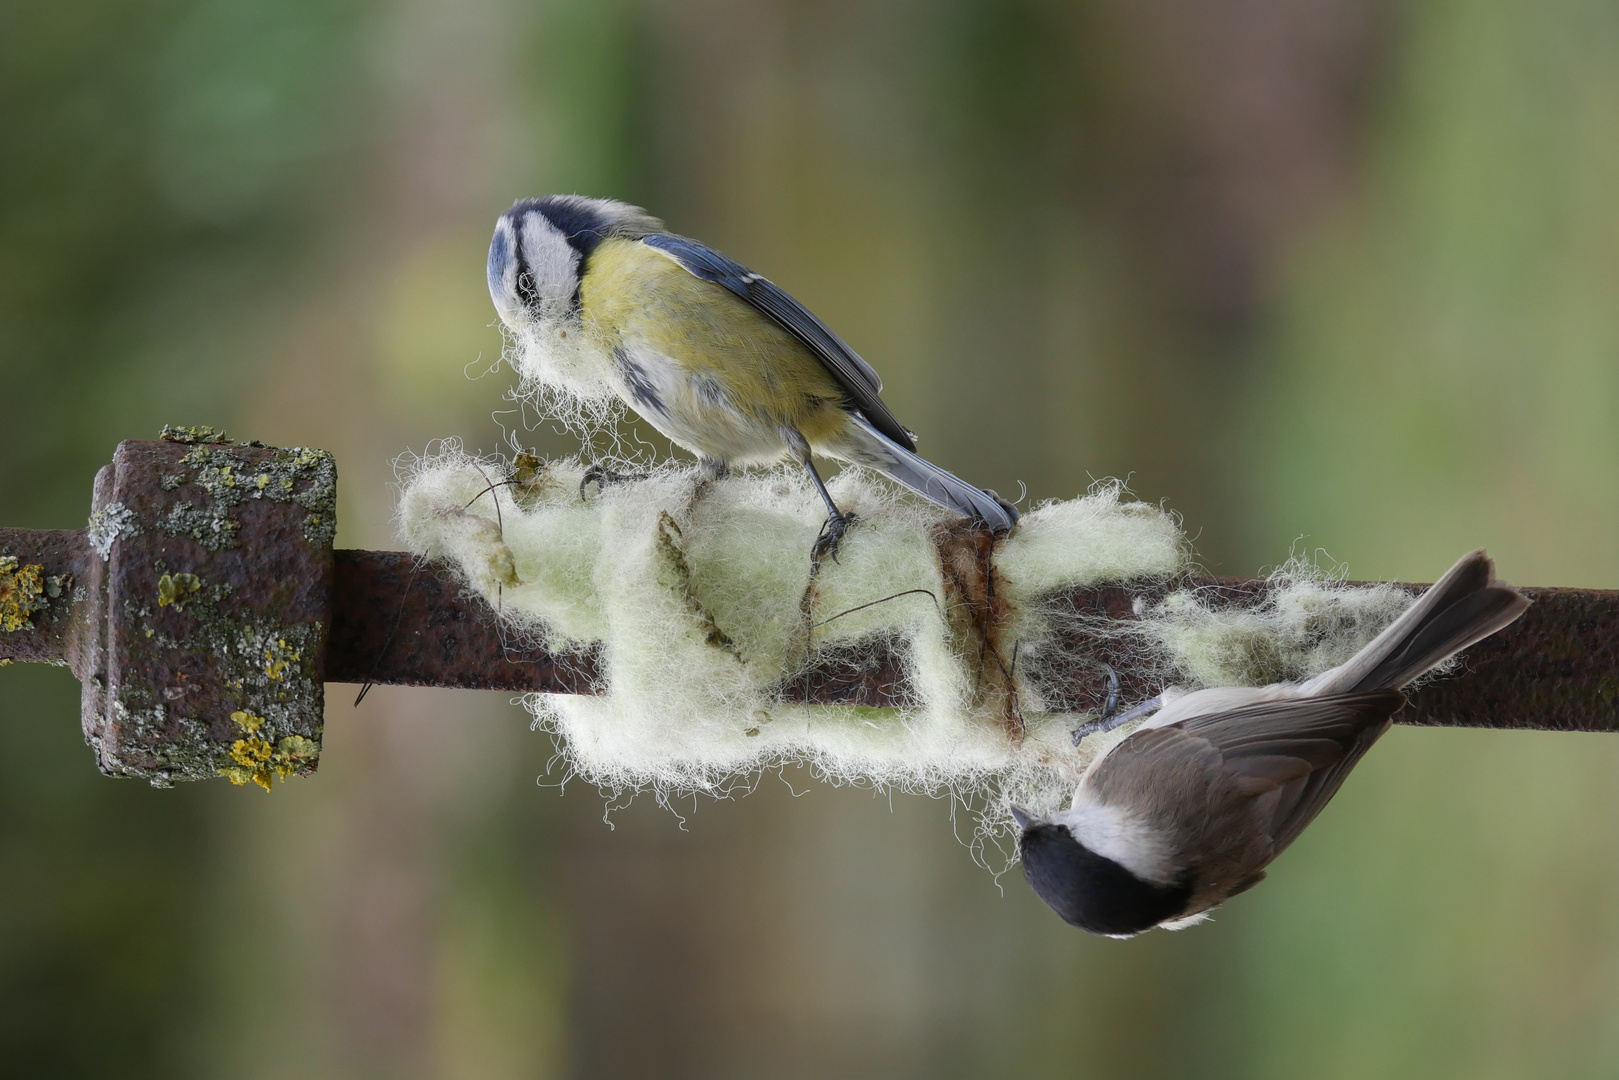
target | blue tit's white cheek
x=550, y=265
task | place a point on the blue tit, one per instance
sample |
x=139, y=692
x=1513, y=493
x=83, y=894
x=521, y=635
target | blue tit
x=716, y=357
x=1189, y=809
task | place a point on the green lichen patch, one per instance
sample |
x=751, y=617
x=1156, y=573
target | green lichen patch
x=176, y=590
x=300, y=475
x=267, y=685
x=22, y=593
x=111, y=523
x=211, y=527
x=196, y=433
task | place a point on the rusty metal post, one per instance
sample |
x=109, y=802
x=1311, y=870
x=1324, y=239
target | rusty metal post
x=204, y=607
x=194, y=609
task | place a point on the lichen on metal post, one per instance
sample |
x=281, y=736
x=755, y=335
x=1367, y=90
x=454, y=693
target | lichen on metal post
x=213, y=588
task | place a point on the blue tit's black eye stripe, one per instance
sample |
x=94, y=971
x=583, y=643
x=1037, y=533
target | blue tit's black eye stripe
x=854, y=375
x=523, y=281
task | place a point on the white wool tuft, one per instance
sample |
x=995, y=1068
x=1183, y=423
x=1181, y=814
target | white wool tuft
x=700, y=596
x=1309, y=620
x=561, y=368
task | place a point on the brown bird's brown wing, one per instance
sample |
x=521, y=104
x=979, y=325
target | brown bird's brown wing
x=1303, y=749
x=1231, y=789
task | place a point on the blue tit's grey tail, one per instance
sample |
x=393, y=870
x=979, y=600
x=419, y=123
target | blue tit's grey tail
x=865, y=445
x=1465, y=606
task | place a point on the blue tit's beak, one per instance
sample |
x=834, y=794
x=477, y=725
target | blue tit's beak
x=1022, y=817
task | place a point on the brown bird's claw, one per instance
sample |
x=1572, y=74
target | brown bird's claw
x=1111, y=719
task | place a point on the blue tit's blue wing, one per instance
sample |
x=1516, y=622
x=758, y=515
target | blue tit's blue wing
x=853, y=374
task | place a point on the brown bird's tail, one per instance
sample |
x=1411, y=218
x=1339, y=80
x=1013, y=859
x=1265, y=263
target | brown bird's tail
x=1465, y=606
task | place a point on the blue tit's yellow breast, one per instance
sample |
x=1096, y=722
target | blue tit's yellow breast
x=637, y=298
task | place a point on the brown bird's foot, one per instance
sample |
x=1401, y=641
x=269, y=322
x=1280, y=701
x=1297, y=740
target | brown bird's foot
x=1111, y=719
x=1110, y=705
x=602, y=476
x=831, y=536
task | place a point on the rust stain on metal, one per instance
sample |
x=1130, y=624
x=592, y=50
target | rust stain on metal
x=979, y=617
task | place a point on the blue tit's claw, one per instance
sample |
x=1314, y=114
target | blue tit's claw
x=1011, y=511
x=602, y=476
x=831, y=536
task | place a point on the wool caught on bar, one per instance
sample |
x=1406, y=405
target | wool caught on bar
x=701, y=599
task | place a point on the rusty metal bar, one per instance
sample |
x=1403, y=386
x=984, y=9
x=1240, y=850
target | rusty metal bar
x=1555, y=669
x=205, y=594
x=396, y=623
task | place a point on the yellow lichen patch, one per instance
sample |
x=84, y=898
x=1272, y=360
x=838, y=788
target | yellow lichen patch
x=251, y=752
x=254, y=754
x=176, y=589
x=22, y=592
x=279, y=657
x=247, y=721
x=260, y=763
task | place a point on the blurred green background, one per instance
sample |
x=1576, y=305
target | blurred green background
x=1340, y=273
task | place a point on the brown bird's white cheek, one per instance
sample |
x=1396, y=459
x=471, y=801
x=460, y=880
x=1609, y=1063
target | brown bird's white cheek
x=1116, y=834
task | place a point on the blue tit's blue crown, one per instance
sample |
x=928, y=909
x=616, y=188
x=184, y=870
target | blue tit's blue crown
x=580, y=220
x=1091, y=891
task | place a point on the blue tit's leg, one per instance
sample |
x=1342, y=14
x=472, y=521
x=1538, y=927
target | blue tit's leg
x=837, y=522
x=601, y=476
x=710, y=471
